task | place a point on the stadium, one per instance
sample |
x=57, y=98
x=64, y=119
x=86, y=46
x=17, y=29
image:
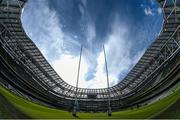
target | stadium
x=31, y=88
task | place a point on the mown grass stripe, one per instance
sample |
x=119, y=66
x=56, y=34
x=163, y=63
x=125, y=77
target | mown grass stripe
x=35, y=110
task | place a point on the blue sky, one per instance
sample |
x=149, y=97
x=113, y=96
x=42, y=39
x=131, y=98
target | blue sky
x=60, y=27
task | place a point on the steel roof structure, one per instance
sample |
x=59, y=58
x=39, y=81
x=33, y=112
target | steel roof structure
x=25, y=53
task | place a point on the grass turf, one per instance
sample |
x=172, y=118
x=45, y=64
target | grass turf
x=34, y=110
x=172, y=112
x=6, y=110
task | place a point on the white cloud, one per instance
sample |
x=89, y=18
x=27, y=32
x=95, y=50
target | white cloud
x=91, y=33
x=141, y=5
x=100, y=79
x=148, y=11
x=84, y=2
x=81, y=9
x=118, y=52
x=46, y=32
x=51, y=40
x=152, y=2
x=67, y=67
x=159, y=10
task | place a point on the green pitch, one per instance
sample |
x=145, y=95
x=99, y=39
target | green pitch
x=35, y=110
